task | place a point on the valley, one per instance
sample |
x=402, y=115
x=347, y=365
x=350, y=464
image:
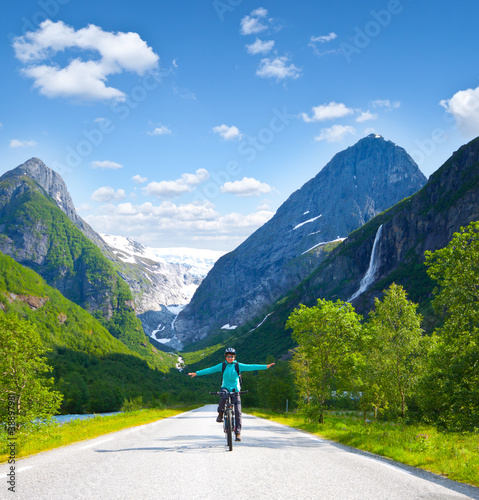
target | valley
x=364, y=222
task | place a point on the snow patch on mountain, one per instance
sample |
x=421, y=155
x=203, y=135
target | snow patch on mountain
x=198, y=261
x=306, y=221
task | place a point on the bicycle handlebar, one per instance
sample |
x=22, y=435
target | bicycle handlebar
x=225, y=392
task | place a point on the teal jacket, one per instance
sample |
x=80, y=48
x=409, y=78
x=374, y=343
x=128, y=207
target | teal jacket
x=230, y=376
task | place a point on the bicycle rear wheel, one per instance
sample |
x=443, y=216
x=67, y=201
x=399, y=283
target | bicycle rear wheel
x=229, y=428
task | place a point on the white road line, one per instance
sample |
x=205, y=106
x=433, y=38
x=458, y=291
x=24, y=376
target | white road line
x=96, y=444
x=21, y=469
x=136, y=429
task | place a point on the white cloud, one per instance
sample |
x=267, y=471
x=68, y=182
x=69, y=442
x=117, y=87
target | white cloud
x=277, y=68
x=365, y=116
x=184, y=93
x=162, y=223
x=15, y=143
x=254, y=23
x=107, y=194
x=139, y=179
x=318, y=41
x=324, y=38
x=246, y=187
x=260, y=47
x=171, y=189
x=110, y=165
x=228, y=133
x=464, y=107
x=335, y=134
x=329, y=111
x=386, y=104
x=259, y=12
x=84, y=79
x=264, y=205
x=161, y=130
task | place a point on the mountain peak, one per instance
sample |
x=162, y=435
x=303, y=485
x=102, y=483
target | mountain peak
x=356, y=185
x=49, y=180
x=54, y=185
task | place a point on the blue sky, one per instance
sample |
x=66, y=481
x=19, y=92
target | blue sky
x=187, y=123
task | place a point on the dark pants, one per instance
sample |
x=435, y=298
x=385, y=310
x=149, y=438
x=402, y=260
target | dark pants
x=236, y=400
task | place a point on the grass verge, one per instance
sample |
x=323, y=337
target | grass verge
x=453, y=455
x=47, y=436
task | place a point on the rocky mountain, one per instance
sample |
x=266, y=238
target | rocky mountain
x=173, y=274
x=425, y=221
x=156, y=279
x=38, y=234
x=351, y=189
x=161, y=280
x=392, y=245
x=56, y=188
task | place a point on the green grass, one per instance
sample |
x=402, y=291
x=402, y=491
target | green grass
x=53, y=435
x=454, y=455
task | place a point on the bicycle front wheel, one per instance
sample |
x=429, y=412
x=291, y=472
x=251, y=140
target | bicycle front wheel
x=229, y=429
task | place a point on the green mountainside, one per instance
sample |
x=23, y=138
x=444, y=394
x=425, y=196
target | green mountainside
x=36, y=233
x=94, y=370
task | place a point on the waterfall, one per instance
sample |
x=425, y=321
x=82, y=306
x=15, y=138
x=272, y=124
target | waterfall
x=372, y=269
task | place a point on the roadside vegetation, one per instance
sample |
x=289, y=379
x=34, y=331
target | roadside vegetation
x=453, y=455
x=49, y=435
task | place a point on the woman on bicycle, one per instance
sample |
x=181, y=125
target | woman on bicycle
x=231, y=383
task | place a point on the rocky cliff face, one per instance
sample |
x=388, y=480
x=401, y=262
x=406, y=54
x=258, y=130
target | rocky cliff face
x=425, y=221
x=56, y=188
x=356, y=185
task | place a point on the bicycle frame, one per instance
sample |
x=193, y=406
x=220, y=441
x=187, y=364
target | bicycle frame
x=229, y=415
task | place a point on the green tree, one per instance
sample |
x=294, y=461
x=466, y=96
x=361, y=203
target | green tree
x=327, y=337
x=105, y=396
x=451, y=389
x=23, y=384
x=277, y=386
x=394, y=350
x=75, y=393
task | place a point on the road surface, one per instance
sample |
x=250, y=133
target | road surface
x=185, y=457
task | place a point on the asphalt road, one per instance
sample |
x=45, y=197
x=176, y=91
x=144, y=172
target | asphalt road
x=185, y=457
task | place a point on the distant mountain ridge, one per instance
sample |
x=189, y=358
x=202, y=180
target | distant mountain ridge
x=357, y=184
x=184, y=268
x=172, y=274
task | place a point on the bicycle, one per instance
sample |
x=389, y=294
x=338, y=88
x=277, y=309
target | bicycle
x=229, y=415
